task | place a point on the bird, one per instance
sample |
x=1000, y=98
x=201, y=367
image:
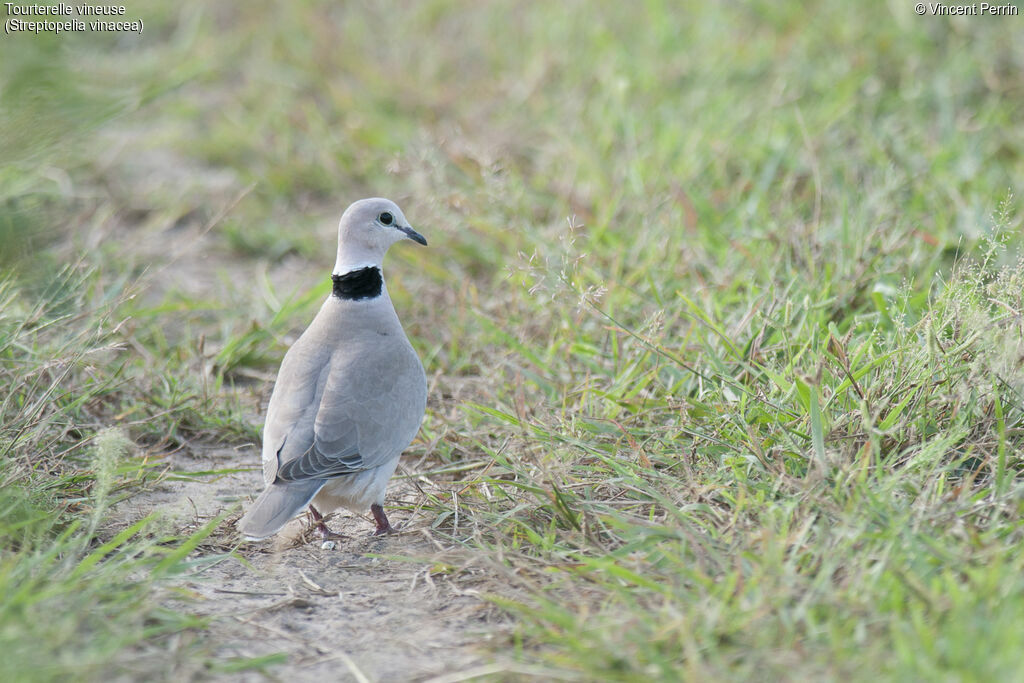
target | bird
x=351, y=392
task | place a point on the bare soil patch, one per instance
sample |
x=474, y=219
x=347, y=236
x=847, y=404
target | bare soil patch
x=372, y=608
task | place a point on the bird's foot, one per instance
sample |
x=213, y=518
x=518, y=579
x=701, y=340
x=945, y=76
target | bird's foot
x=383, y=525
x=326, y=534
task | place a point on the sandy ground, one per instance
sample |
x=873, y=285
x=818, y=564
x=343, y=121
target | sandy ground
x=369, y=609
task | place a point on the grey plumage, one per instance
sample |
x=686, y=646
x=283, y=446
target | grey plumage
x=351, y=391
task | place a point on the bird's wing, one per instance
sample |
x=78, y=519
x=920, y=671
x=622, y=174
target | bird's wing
x=288, y=430
x=362, y=421
x=331, y=443
x=326, y=459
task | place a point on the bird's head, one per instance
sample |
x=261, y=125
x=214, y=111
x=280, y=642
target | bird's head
x=367, y=228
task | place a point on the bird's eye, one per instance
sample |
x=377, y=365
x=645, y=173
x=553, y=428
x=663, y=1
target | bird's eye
x=386, y=218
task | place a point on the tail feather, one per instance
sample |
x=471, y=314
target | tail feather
x=276, y=506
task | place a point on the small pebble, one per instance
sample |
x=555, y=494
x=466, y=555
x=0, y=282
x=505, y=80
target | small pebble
x=327, y=545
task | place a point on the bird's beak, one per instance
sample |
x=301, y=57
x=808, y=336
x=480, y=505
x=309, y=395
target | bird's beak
x=413, y=235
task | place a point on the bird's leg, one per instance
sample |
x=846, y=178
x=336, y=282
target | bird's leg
x=318, y=522
x=383, y=525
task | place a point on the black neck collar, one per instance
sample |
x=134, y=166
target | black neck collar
x=364, y=283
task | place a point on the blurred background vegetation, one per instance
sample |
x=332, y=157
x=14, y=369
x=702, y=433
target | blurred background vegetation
x=734, y=289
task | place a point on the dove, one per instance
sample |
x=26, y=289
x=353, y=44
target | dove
x=351, y=392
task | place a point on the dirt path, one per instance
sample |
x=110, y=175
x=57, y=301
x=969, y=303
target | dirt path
x=356, y=612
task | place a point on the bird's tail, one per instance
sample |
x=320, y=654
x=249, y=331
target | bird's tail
x=277, y=504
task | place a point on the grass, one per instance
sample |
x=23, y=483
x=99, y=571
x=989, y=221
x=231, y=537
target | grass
x=823, y=503
x=73, y=599
x=736, y=292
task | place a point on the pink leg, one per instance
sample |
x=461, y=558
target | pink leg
x=318, y=522
x=383, y=525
